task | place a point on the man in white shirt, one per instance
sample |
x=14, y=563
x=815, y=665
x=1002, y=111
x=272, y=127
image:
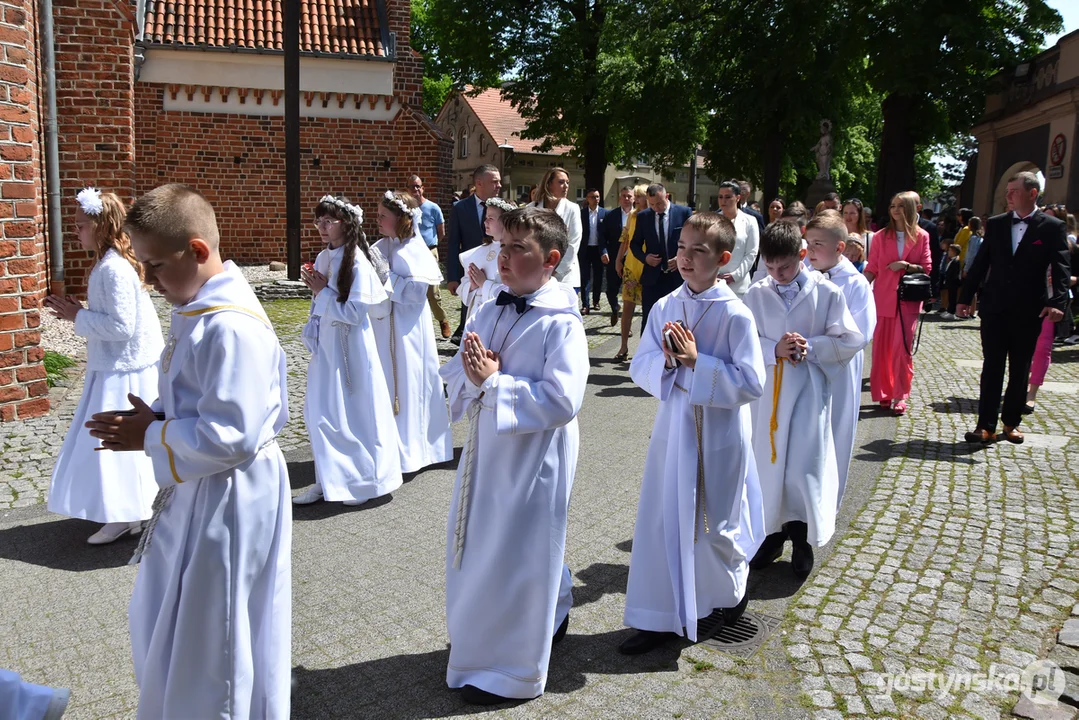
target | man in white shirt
x=592, y=255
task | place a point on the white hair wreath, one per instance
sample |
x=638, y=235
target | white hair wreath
x=90, y=201
x=497, y=202
x=416, y=213
x=356, y=210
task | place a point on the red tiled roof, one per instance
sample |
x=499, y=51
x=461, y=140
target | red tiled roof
x=337, y=27
x=504, y=123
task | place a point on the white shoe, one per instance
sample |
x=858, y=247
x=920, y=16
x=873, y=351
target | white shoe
x=354, y=503
x=947, y=316
x=312, y=495
x=111, y=532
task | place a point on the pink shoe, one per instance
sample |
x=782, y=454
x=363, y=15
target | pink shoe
x=900, y=408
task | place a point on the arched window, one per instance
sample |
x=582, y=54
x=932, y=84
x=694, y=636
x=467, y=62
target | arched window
x=462, y=143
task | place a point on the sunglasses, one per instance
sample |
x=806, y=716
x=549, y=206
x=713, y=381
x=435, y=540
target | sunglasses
x=325, y=223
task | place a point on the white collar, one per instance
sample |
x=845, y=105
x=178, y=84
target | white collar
x=721, y=291
x=1025, y=217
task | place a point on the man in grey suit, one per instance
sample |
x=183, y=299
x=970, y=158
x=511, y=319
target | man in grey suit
x=464, y=230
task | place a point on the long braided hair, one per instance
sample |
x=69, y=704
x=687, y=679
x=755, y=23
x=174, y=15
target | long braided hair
x=109, y=231
x=354, y=238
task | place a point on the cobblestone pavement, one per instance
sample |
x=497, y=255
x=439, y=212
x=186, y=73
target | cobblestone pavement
x=953, y=559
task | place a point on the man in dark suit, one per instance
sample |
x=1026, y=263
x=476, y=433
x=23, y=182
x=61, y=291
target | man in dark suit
x=590, y=254
x=613, y=225
x=464, y=230
x=927, y=224
x=1020, y=248
x=658, y=229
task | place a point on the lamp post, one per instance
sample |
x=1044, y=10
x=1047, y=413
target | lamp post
x=507, y=157
x=692, y=199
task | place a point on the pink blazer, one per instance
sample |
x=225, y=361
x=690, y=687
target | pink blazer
x=882, y=253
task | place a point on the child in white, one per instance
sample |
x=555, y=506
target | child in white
x=699, y=519
x=123, y=343
x=807, y=337
x=20, y=700
x=347, y=410
x=481, y=262
x=520, y=379
x=826, y=238
x=211, y=613
x=406, y=337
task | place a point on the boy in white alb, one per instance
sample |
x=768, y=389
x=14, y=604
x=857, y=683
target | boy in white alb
x=699, y=518
x=211, y=611
x=826, y=236
x=807, y=337
x=520, y=378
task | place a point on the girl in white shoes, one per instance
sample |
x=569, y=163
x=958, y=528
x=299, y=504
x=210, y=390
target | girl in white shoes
x=347, y=410
x=123, y=343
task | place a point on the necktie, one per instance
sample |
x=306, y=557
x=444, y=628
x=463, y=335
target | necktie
x=662, y=234
x=483, y=217
x=1016, y=220
x=788, y=292
x=508, y=298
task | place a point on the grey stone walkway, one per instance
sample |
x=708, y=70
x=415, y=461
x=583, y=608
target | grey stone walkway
x=953, y=560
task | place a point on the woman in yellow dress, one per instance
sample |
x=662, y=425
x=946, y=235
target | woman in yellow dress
x=629, y=269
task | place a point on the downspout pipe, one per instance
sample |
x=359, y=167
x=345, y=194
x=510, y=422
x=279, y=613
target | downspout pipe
x=52, y=153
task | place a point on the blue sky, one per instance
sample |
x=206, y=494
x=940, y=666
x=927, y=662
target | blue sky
x=1069, y=10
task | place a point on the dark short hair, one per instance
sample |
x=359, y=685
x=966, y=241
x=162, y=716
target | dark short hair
x=544, y=225
x=483, y=170
x=830, y=196
x=795, y=213
x=966, y=214
x=655, y=189
x=927, y=213
x=1029, y=180
x=954, y=247
x=731, y=185
x=173, y=214
x=716, y=228
x=975, y=224
x=590, y=190
x=781, y=240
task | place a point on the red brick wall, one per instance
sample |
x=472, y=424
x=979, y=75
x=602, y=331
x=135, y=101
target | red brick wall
x=23, y=391
x=242, y=170
x=95, y=104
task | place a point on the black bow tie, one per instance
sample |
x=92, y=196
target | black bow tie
x=1016, y=220
x=508, y=298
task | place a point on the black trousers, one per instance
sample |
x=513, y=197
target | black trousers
x=1006, y=338
x=590, y=259
x=667, y=283
x=614, y=283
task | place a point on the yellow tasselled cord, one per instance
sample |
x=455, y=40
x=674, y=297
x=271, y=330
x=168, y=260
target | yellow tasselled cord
x=777, y=383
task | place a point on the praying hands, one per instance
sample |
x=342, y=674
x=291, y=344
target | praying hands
x=479, y=362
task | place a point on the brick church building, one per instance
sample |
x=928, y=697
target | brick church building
x=192, y=91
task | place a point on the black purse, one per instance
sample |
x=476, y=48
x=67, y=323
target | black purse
x=916, y=287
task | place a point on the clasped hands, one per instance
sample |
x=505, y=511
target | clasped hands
x=479, y=363
x=313, y=279
x=792, y=347
x=65, y=308
x=122, y=432
x=686, y=342
x=476, y=275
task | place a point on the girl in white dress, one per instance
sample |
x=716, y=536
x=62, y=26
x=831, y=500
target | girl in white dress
x=481, y=278
x=347, y=410
x=123, y=343
x=406, y=337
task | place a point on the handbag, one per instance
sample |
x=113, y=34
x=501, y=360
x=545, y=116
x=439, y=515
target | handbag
x=916, y=287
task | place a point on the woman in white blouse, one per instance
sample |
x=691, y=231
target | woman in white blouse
x=747, y=240
x=552, y=195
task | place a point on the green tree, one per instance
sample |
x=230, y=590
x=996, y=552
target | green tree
x=437, y=83
x=933, y=62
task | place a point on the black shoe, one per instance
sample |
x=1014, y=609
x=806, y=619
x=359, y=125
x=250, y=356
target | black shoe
x=1028, y=409
x=802, y=560
x=644, y=641
x=771, y=550
x=731, y=615
x=561, y=631
x=614, y=317
x=455, y=339
x=474, y=696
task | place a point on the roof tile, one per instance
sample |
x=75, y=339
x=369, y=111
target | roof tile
x=503, y=121
x=336, y=27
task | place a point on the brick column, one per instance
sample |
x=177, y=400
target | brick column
x=23, y=391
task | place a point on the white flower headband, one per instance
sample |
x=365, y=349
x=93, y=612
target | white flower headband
x=416, y=213
x=356, y=210
x=90, y=201
x=497, y=202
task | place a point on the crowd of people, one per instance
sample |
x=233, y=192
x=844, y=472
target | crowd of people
x=752, y=339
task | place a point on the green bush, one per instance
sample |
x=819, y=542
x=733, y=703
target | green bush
x=55, y=365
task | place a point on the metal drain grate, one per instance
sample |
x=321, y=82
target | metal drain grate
x=741, y=639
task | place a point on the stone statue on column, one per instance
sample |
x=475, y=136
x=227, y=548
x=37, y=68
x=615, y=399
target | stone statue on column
x=823, y=148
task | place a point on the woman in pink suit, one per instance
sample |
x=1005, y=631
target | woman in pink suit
x=899, y=249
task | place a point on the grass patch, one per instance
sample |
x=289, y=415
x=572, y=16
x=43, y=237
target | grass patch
x=56, y=365
x=702, y=666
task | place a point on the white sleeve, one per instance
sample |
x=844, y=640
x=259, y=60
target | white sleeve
x=648, y=368
x=574, y=231
x=116, y=321
x=729, y=384
x=744, y=265
x=841, y=340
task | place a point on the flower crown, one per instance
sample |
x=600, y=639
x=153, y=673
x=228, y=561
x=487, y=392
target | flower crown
x=356, y=211
x=416, y=213
x=497, y=202
x=89, y=199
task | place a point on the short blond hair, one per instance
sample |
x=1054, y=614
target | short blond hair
x=718, y=231
x=830, y=222
x=174, y=215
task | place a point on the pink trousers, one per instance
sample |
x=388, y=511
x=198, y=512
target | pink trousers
x=1043, y=353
